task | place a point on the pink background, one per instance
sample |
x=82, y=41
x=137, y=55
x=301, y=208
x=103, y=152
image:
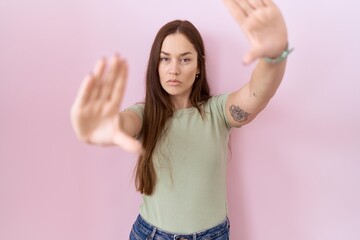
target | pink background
x=294, y=172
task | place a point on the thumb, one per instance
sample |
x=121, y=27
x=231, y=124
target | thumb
x=251, y=56
x=128, y=143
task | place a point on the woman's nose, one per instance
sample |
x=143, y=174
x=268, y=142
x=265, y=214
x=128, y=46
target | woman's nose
x=174, y=68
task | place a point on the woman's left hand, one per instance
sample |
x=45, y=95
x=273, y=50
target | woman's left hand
x=263, y=25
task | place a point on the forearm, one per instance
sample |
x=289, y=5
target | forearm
x=130, y=123
x=265, y=80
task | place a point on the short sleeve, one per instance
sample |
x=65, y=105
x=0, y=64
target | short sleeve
x=138, y=108
x=218, y=105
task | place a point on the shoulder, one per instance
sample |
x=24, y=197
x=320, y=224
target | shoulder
x=216, y=107
x=217, y=101
x=137, y=108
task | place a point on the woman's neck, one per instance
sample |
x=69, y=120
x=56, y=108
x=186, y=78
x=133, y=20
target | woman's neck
x=181, y=103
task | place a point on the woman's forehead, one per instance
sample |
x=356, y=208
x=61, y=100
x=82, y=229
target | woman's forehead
x=177, y=44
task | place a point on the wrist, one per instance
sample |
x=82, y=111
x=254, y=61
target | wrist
x=280, y=57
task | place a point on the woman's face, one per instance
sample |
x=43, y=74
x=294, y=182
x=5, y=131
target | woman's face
x=178, y=65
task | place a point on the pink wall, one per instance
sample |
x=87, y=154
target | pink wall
x=294, y=172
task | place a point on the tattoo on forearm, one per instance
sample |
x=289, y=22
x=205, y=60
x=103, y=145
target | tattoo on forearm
x=238, y=114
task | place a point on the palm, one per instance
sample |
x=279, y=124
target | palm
x=94, y=114
x=99, y=125
x=263, y=25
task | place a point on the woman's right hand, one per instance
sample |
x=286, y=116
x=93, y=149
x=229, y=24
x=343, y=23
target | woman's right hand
x=95, y=111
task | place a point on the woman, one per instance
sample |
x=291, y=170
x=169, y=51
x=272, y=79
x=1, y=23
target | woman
x=183, y=131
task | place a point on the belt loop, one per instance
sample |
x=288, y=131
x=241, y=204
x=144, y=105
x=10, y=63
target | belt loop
x=194, y=236
x=151, y=237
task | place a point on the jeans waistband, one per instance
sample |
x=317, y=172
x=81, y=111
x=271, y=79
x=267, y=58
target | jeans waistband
x=219, y=229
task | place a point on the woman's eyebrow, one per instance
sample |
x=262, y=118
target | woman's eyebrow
x=182, y=54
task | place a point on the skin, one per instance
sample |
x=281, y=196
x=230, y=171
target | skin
x=264, y=27
x=178, y=68
x=94, y=113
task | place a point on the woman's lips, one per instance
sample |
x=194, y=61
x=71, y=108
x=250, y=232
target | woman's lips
x=173, y=82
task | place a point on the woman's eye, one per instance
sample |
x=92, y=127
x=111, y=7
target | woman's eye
x=164, y=59
x=185, y=60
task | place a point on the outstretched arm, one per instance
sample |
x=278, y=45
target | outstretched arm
x=265, y=28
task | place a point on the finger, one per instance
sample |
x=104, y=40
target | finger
x=128, y=143
x=108, y=83
x=256, y=3
x=235, y=10
x=245, y=6
x=268, y=3
x=120, y=84
x=98, y=73
x=84, y=91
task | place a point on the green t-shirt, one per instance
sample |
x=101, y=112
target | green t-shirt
x=190, y=162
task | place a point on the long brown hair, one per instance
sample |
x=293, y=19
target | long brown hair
x=158, y=106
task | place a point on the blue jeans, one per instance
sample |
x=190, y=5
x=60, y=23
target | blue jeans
x=142, y=230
